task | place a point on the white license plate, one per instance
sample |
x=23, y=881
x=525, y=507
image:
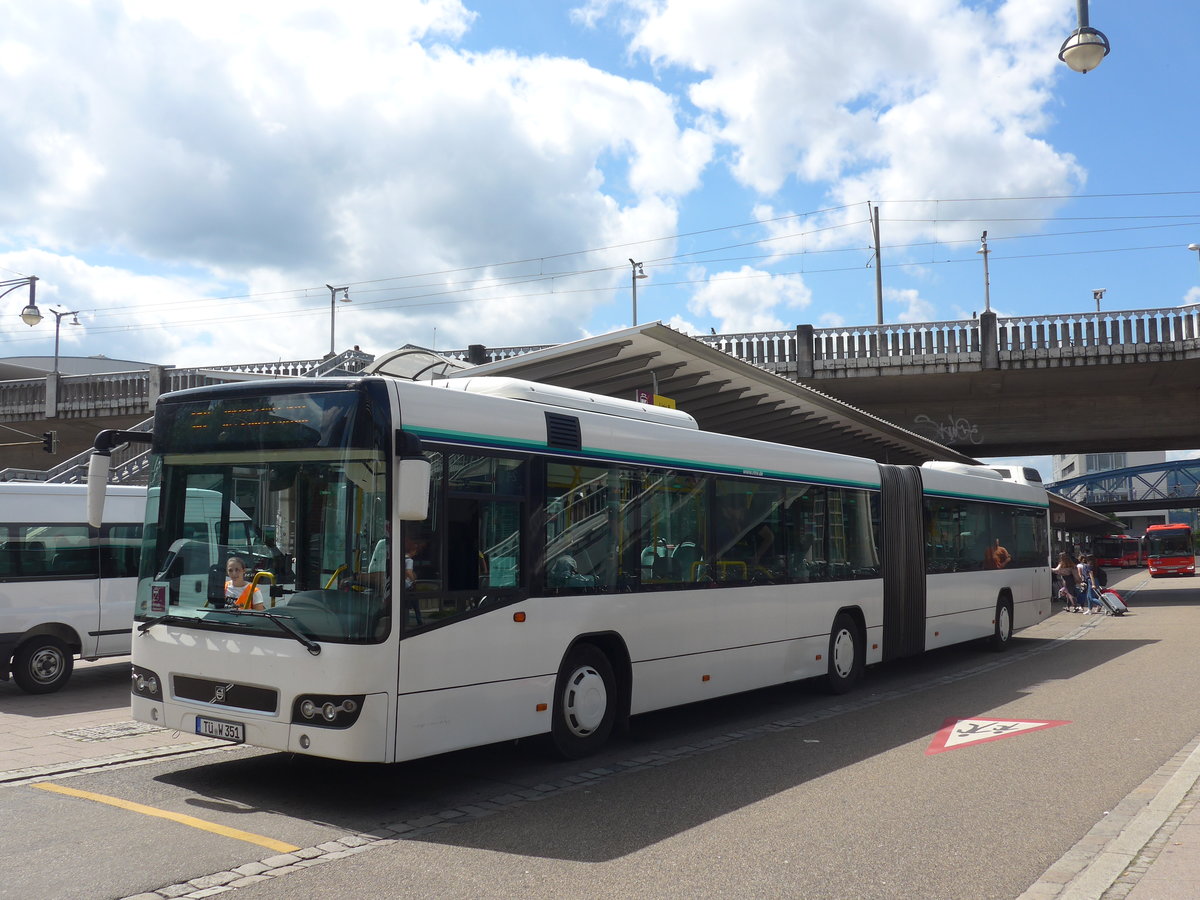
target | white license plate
x=226, y=731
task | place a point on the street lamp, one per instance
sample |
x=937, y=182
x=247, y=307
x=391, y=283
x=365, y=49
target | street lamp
x=635, y=273
x=30, y=315
x=333, y=292
x=1195, y=247
x=987, y=283
x=1085, y=47
x=58, y=317
x=1098, y=295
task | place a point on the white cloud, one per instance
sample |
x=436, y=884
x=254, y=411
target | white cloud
x=268, y=146
x=885, y=101
x=751, y=300
x=907, y=305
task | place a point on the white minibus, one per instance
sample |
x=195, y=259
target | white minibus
x=67, y=589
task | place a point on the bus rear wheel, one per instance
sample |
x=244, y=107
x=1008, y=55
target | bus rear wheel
x=42, y=665
x=585, y=697
x=846, y=655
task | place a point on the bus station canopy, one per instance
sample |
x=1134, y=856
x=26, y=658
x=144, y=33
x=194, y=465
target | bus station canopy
x=1067, y=515
x=723, y=393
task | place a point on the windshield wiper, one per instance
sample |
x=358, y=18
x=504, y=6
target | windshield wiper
x=169, y=617
x=284, y=622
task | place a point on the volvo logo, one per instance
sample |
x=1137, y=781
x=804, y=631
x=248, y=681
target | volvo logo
x=221, y=691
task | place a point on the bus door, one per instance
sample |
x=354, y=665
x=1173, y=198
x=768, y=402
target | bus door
x=119, y=547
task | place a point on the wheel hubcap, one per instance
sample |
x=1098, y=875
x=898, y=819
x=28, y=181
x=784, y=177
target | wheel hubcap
x=45, y=665
x=843, y=653
x=585, y=701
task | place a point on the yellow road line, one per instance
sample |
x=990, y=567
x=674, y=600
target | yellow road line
x=269, y=843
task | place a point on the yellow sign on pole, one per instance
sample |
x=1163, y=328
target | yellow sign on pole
x=654, y=399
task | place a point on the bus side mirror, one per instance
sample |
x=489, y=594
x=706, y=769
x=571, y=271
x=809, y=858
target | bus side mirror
x=97, y=485
x=412, y=479
x=97, y=480
x=412, y=489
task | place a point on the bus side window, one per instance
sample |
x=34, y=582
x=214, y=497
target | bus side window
x=74, y=561
x=48, y=551
x=10, y=560
x=119, y=550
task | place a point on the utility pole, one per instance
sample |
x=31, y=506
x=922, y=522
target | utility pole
x=878, y=268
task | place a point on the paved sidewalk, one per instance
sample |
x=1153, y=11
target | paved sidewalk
x=85, y=725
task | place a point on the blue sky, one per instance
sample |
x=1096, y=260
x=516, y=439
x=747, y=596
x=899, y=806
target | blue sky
x=190, y=176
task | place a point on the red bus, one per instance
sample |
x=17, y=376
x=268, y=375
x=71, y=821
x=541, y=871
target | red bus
x=1117, y=551
x=1169, y=550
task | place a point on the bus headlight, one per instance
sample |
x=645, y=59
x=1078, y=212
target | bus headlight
x=327, y=711
x=144, y=683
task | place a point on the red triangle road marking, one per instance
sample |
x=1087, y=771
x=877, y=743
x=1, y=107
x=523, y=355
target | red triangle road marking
x=958, y=733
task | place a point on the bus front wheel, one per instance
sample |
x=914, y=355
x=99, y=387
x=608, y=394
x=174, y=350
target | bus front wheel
x=1003, y=632
x=585, y=698
x=846, y=655
x=42, y=665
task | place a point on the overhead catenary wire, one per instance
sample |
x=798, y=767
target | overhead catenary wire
x=428, y=294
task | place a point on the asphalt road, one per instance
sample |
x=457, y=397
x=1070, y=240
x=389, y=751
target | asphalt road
x=785, y=792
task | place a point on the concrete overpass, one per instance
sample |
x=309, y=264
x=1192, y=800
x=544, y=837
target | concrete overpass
x=1058, y=383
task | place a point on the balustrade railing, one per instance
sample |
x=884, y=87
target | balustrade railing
x=931, y=339
x=763, y=348
x=1124, y=328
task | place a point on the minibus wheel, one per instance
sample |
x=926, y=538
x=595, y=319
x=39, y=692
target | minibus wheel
x=42, y=664
x=585, y=702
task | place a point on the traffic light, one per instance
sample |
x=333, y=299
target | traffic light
x=50, y=441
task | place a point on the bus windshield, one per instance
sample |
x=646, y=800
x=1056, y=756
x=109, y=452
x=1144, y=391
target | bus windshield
x=266, y=510
x=1176, y=542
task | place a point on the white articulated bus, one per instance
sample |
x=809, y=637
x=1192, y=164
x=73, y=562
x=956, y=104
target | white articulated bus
x=482, y=559
x=66, y=589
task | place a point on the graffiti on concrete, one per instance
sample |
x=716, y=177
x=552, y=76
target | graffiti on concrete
x=952, y=431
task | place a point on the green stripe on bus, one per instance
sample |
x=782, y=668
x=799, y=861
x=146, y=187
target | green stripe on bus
x=493, y=442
